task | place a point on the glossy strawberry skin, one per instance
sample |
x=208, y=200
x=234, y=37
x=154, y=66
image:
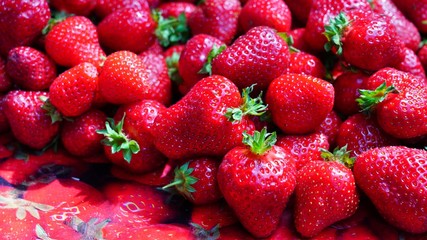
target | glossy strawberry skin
x=218, y=18
x=257, y=57
x=346, y=88
x=174, y=9
x=30, y=69
x=325, y=193
x=414, y=11
x=274, y=14
x=330, y=127
x=394, y=179
x=300, y=9
x=304, y=63
x=299, y=103
x=257, y=187
x=206, y=131
x=73, y=92
x=192, y=59
x=209, y=215
x=74, y=41
x=106, y=7
x=5, y=81
x=411, y=64
x=18, y=29
x=28, y=121
x=129, y=29
x=77, y=7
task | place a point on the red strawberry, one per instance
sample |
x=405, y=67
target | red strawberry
x=300, y=10
x=330, y=127
x=256, y=181
x=72, y=93
x=77, y=7
x=297, y=35
x=346, y=88
x=320, y=14
x=217, y=18
x=129, y=143
x=21, y=22
x=415, y=10
x=195, y=54
x=394, y=178
x=174, y=9
x=325, y=192
x=106, y=7
x=208, y=216
x=74, y=41
x=274, y=13
x=30, y=124
x=161, y=232
x=196, y=180
x=399, y=101
x=364, y=39
x=411, y=64
x=30, y=68
x=299, y=103
x=4, y=124
x=172, y=56
x=257, y=57
x=304, y=148
x=79, y=137
x=422, y=55
x=206, y=130
x=156, y=178
x=304, y=63
x=234, y=232
x=5, y=81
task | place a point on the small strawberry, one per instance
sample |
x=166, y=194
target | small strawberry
x=257, y=57
x=30, y=124
x=394, y=178
x=217, y=18
x=411, y=64
x=5, y=81
x=174, y=9
x=299, y=103
x=79, y=137
x=330, y=127
x=30, y=69
x=305, y=63
x=346, y=88
x=210, y=215
x=21, y=22
x=172, y=56
x=104, y=8
x=72, y=93
x=256, y=181
x=297, y=35
x=196, y=180
x=273, y=13
x=325, y=192
x=74, y=41
x=300, y=10
x=77, y=7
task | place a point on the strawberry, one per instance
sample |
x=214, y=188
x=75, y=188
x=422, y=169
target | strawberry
x=364, y=39
x=274, y=14
x=257, y=57
x=394, y=179
x=300, y=10
x=256, y=181
x=297, y=35
x=72, y=93
x=399, y=102
x=217, y=18
x=194, y=55
x=104, y=8
x=5, y=81
x=196, y=180
x=415, y=11
x=77, y=7
x=4, y=124
x=29, y=122
x=405, y=29
x=325, y=192
x=210, y=215
x=206, y=130
x=172, y=56
x=411, y=64
x=234, y=232
x=155, y=178
x=304, y=148
x=320, y=14
x=346, y=88
x=74, y=41
x=174, y=9
x=19, y=29
x=164, y=232
x=361, y=133
x=305, y=63
x=299, y=103
x=128, y=143
x=79, y=137
x=422, y=55
x=330, y=127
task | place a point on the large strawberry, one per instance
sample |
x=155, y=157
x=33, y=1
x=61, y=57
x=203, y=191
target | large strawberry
x=30, y=124
x=257, y=57
x=256, y=181
x=30, y=69
x=21, y=22
x=364, y=39
x=74, y=41
x=299, y=103
x=217, y=18
x=394, y=178
x=197, y=126
x=325, y=192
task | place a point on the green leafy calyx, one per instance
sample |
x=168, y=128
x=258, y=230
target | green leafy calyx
x=172, y=64
x=172, y=30
x=51, y=111
x=250, y=106
x=260, y=142
x=183, y=181
x=334, y=32
x=340, y=155
x=118, y=140
x=370, y=98
x=215, y=51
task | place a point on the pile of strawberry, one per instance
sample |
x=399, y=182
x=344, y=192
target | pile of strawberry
x=213, y=119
